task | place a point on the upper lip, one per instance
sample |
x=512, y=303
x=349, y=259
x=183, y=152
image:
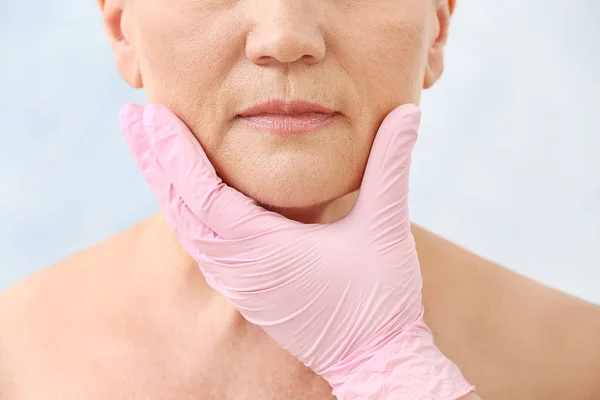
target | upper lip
x=286, y=107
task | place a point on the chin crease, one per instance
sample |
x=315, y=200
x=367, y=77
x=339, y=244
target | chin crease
x=317, y=212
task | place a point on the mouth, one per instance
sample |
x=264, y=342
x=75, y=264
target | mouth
x=288, y=117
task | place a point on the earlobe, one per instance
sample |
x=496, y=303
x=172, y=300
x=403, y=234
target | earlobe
x=435, y=66
x=435, y=56
x=123, y=49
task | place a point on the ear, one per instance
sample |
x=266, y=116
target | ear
x=116, y=27
x=435, y=57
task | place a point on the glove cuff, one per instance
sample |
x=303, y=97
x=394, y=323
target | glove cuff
x=409, y=367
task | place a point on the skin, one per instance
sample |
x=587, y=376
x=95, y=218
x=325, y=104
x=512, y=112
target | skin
x=132, y=317
x=208, y=60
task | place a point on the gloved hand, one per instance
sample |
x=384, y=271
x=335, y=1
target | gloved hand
x=345, y=297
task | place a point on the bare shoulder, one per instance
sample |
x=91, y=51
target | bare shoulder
x=132, y=318
x=73, y=321
x=513, y=337
x=57, y=287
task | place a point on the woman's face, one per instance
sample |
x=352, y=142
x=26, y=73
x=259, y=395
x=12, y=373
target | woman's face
x=208, y=60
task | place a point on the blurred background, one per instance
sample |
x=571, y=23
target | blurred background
x=507, y=165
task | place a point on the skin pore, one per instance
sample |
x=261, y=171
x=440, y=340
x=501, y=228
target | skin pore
x=132, y=317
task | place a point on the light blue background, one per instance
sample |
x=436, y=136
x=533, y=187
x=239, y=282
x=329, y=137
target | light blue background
x=507, y=163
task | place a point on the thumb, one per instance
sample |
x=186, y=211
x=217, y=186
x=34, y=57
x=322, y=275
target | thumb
x=385, y=181
x=224, y=210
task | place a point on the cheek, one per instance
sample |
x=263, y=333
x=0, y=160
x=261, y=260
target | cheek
x=180, y=70
x=189, y=63
x=173, y=64
x=389, y=73
x=396, y=67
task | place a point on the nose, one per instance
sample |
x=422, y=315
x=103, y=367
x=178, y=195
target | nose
x=286, y=31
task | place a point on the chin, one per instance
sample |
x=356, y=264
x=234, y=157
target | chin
x=291, y=172
x=297, y=195
x=294, y=190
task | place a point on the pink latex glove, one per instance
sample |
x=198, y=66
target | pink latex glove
x=344, y=298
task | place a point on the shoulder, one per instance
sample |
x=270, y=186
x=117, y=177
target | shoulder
x=75, y=276
x=52, y=287
x=104, y=320
x=82, y=280
x=44, y=313
x=507, y=331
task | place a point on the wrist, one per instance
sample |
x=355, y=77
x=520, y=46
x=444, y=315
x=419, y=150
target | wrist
x=410, y=366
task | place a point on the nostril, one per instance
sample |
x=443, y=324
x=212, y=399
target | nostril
x=285, y=46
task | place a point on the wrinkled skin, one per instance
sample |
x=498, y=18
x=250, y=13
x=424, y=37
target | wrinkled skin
x=208, y=60
x=132, y=318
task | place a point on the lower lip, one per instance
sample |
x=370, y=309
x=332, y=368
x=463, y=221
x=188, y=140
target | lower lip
x=290, y=124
